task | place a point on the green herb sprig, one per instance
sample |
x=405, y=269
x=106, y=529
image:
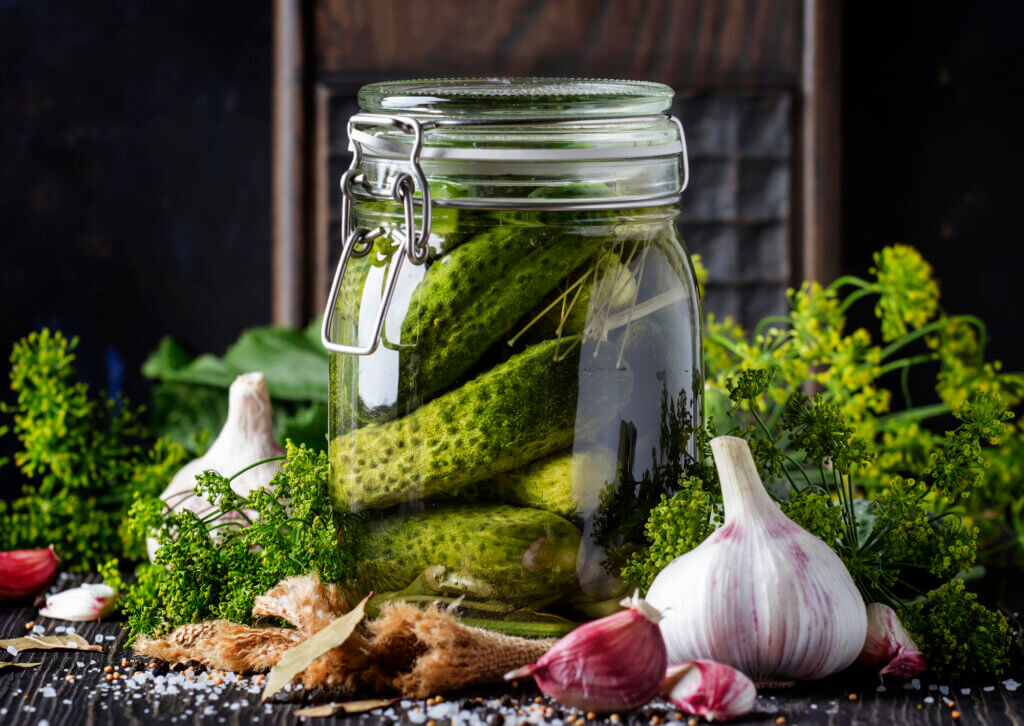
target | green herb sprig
x=85, y=459
x=215, y=564
x=902, y=505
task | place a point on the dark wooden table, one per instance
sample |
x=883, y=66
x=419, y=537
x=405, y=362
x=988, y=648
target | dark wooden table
x=145, y=695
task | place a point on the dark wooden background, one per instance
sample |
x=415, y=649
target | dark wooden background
x=135, y=173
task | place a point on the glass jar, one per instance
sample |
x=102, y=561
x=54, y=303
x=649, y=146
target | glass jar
x=514, y=330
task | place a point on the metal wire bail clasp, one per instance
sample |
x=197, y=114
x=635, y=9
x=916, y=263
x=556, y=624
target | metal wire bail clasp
x=357, y=242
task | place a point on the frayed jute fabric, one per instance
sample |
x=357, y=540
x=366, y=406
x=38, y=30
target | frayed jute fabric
x=417, y=652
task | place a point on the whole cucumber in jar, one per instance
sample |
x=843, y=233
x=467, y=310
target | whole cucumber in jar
x=514, y=413
x=497, y=552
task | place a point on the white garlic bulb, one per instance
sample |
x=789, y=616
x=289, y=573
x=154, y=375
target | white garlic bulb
x=247, y=437
x=761, y=593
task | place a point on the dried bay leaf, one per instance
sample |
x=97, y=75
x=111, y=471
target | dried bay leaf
x=328, y=709
x=4, y=665
x=298, y=658
x=49, y=642
x=348, y=707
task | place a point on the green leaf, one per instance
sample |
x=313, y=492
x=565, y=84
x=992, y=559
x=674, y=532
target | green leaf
x=189, y=415
x=169, y=356
x=293, y=363
x=307, y=426
x=301, y=656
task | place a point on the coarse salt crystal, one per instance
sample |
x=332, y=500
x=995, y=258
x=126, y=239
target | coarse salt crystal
x=12, y=650
x=944, y=690
x=70, y=630
x=988, y=689
x=48, y=692
x=965, y=691
x=929, y=699
x=1010, y=684
x=59, y=629
x=880, y=689
x=98, y=638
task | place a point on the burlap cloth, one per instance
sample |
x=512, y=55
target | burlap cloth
x=417, y=652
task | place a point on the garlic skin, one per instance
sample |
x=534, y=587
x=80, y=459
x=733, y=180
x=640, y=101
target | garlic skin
x=26, y=572
x=613, y=664
x=80, y=604
x=888, y=646
x=760, y=594
x=712, y=690
x=247, y=437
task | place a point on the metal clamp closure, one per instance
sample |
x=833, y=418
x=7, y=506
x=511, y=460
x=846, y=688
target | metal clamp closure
x=358, y=242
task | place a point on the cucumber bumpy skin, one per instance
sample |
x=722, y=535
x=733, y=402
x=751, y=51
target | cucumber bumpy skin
x=515, y=555
x=562, y=483
x=471, y=296
x=504, y=418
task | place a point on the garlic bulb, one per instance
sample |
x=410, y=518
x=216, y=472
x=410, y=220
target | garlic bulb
x=247, y=437
x=760, y=594
x=712, y=690
x=888, y=645
x=616, y=663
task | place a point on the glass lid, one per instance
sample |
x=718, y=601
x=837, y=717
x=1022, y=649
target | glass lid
x=513, y=98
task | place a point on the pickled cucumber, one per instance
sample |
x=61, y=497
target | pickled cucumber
x=472, y=295
x=514, y=413
x=510, y=554
x=561, y=483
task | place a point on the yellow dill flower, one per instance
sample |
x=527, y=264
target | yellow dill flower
x=908, y=293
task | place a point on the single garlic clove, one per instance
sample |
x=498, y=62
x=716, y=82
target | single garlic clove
x=24, y=573
x=713, y=690
x=82, y=603
x=760, y=594
x=888, y=646
x=613, y=664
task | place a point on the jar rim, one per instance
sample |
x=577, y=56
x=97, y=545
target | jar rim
x=516, y=97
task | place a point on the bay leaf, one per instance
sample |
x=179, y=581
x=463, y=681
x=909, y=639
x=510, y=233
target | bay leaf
x=49, y=642
x=5, y=665
x=348, y=707
x=299, y=657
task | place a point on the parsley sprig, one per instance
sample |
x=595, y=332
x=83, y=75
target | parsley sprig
x=214, y=564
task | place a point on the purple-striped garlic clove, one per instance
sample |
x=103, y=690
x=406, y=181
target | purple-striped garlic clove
x=82, y=603
x=715, y=691
x=24, y=573
x=888, y=646
x=613, y=664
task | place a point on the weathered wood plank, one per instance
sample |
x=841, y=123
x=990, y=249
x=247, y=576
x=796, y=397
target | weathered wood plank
x=683, y=43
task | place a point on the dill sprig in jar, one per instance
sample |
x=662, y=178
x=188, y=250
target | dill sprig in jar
x=514, y=330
